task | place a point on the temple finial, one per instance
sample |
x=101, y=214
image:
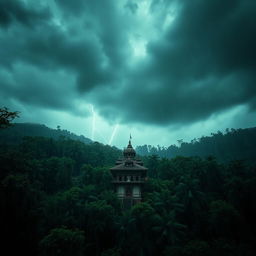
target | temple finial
x=130, y=140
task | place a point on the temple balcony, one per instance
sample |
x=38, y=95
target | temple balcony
x=128, y=182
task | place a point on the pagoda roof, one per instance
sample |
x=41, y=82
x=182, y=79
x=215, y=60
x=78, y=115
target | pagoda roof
x=132, y=167
x=129, y=163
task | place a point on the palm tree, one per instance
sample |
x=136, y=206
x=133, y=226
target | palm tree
x=170, y=231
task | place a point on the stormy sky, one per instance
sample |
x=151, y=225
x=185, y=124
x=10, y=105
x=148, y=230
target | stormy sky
x=162, y=70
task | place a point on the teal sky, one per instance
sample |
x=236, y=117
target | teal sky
x=162, y=70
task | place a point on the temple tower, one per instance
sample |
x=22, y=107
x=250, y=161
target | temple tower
x=129, y=175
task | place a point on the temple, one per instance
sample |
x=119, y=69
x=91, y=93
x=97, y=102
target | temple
x=129, y=175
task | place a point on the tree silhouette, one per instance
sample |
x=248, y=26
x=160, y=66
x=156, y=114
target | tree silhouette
x=6, y=117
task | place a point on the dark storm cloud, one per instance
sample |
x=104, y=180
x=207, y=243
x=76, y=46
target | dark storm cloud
x=204, y=64
x=27, y=84
x=17, y=11
x=201, y=64
x=54, y=50
x=217, y=36
x=104, y=20
x=75, y=46
x=50, y=48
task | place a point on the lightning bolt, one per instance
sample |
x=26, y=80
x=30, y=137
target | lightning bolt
x=94, y=130
x=113, y=134
x=93, y=122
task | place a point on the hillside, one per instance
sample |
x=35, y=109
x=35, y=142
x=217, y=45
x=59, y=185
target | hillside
x=17, y=131
x=232, y=145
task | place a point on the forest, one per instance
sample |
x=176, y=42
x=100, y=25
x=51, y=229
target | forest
x=56, y=198
x=233, y=144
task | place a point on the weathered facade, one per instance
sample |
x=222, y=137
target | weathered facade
x=129, y=175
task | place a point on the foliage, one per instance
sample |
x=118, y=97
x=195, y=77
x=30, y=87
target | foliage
x=64, y=242
x=56, y=198
x=6, y=117
x=233, y=144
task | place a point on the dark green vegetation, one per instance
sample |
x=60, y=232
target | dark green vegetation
x=231, y=145
x=56, y=198
x=18, y=130
x=6, y=117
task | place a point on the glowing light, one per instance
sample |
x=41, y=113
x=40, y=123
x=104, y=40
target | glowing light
x=93, y=122
x=138, y=47
x=113, y=134
x=98, y=132
x=168, y=20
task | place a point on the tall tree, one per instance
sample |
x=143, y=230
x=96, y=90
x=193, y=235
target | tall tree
x=6, y=117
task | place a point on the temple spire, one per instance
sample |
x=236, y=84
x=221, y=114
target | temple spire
x=130, y=144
